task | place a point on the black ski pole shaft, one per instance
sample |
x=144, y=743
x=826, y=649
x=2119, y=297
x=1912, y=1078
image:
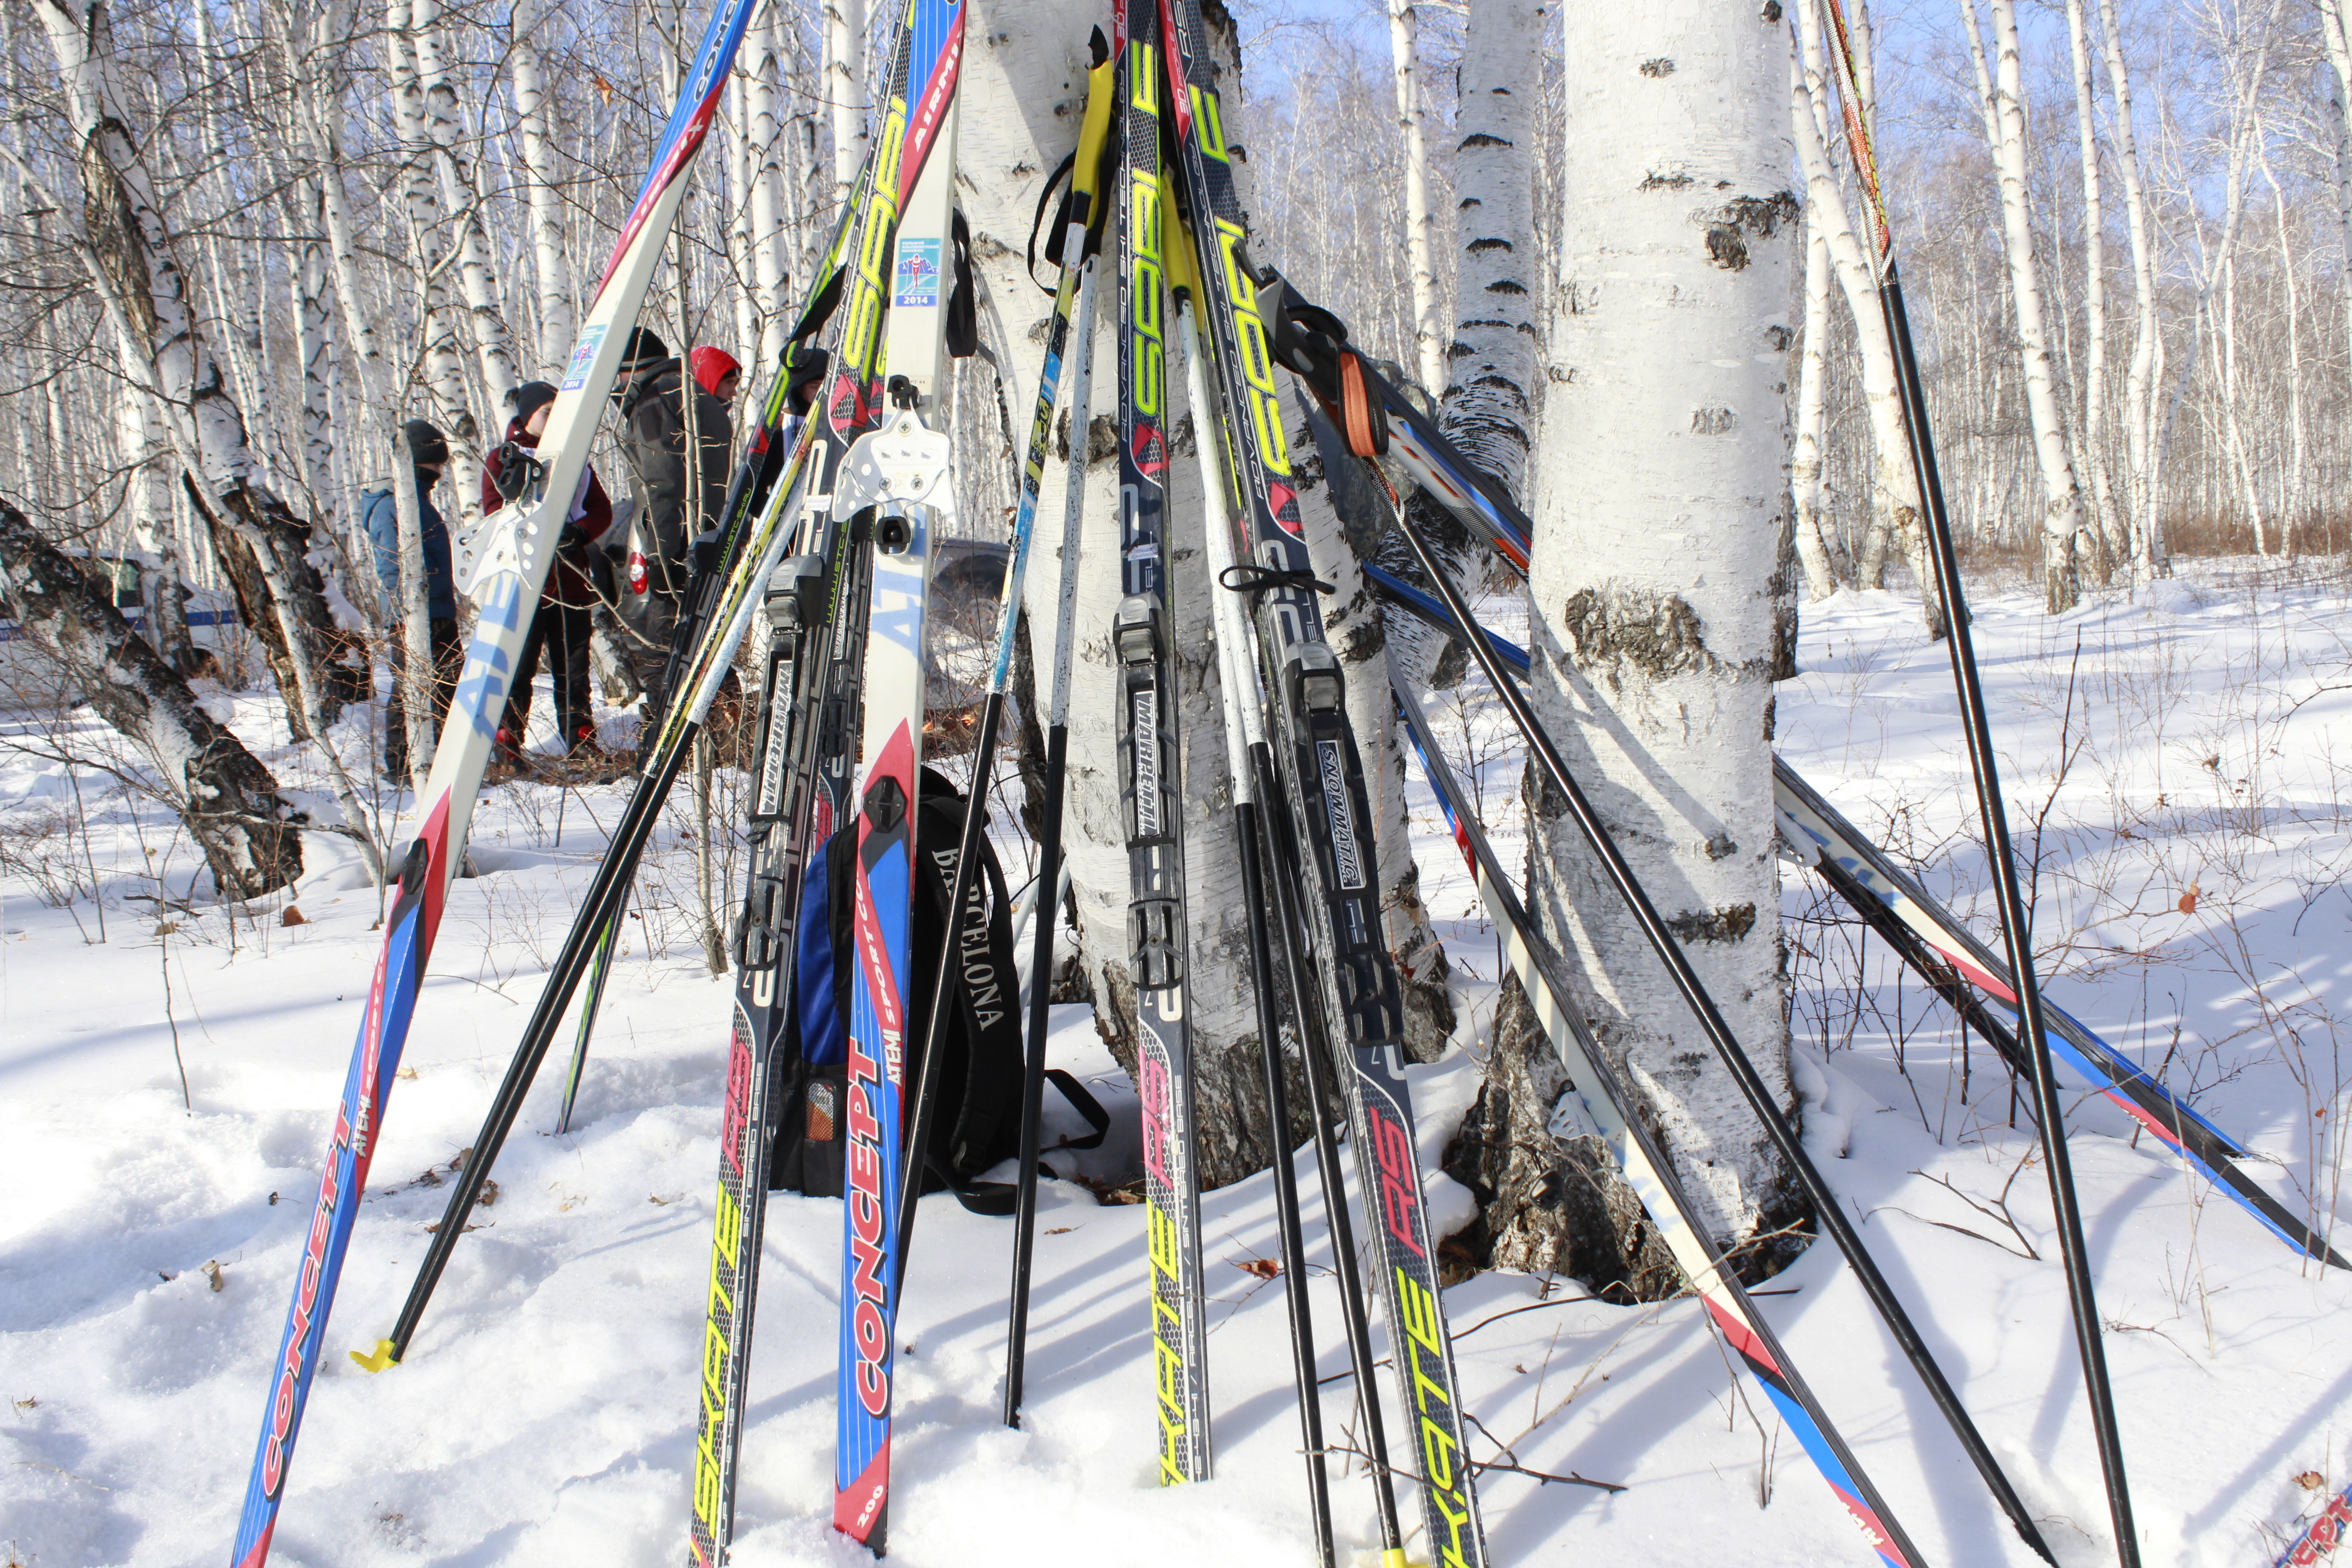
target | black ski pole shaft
x=1244, y=722
x=1831, y=1216
x=2016, y=929
x=1286, y=1176
x=1047, y=908
x=2015, y=926
x=1323, y=1095
x=1033, y=1074
x=630, y=835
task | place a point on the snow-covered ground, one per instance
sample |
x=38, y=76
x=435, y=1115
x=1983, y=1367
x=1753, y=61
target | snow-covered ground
x=2174, y=763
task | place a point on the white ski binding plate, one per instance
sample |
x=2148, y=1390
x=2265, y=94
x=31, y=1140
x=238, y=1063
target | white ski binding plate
x=509, y=540
x=901, y=465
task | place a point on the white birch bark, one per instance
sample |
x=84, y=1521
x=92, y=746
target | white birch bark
x=2148, y=557
x=442, y=361
x=444, y=124
x=2294, y=475
x=770, y=262
x=2336, y=37
x=2003, y=101
x=1658, y=524
x=845, y=89
x=1813, y=398
x=2109, y=530
x=1489, y=397
x=541, y=172
x=1404, y=47
x=1894, y=516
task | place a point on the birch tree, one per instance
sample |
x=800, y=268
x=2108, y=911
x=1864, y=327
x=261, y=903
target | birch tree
x=2003, y=108
x=1405, y=46
x=2148, y=560
x=535, y=119
x=1893, y=517
x=2109, y=534
x=1658, y=522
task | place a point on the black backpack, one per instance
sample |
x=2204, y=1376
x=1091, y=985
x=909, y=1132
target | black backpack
x=978, y=1120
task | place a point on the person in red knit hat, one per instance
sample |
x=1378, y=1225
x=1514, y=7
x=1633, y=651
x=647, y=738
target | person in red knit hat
x=717, y=371
x=562, y=624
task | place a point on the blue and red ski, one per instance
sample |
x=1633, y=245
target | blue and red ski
x=505, y=575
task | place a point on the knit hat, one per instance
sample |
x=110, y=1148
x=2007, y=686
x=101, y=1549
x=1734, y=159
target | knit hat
x=529, y=398
x=644, y=346
x=425, y=444
x=712, y=367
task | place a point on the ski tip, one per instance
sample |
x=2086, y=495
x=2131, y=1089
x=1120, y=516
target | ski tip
x=384, y=1359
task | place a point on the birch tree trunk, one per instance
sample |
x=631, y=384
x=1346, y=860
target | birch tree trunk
x=493, y=344
x=144, y=454
x=845, y=83
x=1894, y=516
x=1812, y=396
x=2109, y=532
x=250, y=833
x=770, y=262
x=551, y=265
x=2336, y=36
x=444, y=364
x=1489, y=407
x=1657, y=533
x=2150, y=559
x=1404, y=45
x=2003, y=108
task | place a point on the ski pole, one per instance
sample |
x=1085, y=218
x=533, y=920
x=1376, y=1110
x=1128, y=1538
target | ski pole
x=1241, y=714
x=2015, y=922
x=1629, y=889
x=1047, y=905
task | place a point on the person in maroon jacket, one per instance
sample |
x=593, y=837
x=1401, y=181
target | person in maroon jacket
x=562, y=621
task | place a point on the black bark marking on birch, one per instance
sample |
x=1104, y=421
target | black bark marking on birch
x=1658, y=634
x=1658, y=69
x=1729, y=227
x=1771, y=12
x=1676, y=182
x=1713, y=422
x=112, y=224
x=1780, y=337
x=1481, y=139
x=1728, y=924
x=1505, y=285
x=1477, y=247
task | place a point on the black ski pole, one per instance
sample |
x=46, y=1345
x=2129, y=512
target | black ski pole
x=1244, y=724
x=1048, y=905
x=2015, y=922
x=602, y=904
x=1831, y=1218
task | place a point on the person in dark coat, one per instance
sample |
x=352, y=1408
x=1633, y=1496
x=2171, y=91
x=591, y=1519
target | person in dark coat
x=380, y=513
x=648, y=394
x=562, y=621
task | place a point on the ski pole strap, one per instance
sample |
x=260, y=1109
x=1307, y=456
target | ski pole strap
x=1313, y=344
x=1061, y=219
x=963, y=310
x=1256, y=580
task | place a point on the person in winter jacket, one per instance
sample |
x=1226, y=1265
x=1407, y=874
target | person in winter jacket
x=380, y=514
x=649, y=394
x=561, y=625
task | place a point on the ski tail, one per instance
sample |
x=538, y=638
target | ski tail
x=1607, y=1112
x=375, y=1060
x=1868, y=878
x=1150, y=749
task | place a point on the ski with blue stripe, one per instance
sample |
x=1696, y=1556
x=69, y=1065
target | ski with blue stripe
x=897, y=486
x=504, y=575
x=1610, y=1115
x=1932, y=941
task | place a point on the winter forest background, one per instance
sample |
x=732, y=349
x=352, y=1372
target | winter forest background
x=2125, y=234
